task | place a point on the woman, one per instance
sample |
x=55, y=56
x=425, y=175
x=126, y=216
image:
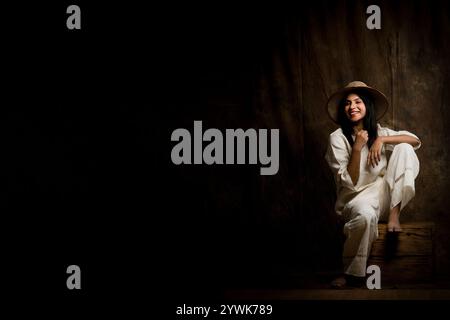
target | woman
x=368, y=187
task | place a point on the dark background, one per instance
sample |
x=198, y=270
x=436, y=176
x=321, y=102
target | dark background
x=87, y=117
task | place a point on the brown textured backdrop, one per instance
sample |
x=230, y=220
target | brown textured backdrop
x=275, y=68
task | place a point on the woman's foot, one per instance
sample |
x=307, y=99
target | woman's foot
x=394, y=226
x=394, y=220
x=339, y=282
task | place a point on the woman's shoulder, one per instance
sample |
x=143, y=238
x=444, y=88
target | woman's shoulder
x=337, y=132
x=382, y=129
x=337, y=137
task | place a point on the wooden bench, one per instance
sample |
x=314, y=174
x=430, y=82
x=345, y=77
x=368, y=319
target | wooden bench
x=405, y=257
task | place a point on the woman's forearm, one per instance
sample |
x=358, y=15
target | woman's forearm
x=400, y=139
x=353, y=165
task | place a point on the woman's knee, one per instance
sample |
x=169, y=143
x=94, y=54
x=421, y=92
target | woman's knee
x=403, y=147
x=404, y=152
x=365, y=218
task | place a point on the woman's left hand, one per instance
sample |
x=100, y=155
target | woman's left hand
x=374, y=156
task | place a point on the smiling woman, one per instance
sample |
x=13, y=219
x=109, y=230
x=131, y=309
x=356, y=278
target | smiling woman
x=368, y=187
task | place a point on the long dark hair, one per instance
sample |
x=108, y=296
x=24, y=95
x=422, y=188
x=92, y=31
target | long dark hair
x=369, y=121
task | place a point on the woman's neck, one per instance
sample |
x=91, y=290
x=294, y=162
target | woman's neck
x=359, y=126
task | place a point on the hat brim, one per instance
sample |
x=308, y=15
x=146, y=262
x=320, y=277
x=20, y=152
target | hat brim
x=380, y=101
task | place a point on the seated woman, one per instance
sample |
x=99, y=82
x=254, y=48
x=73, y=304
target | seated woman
x=368, y=188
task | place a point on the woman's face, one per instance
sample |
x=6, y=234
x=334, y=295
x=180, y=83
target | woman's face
x=355, y=108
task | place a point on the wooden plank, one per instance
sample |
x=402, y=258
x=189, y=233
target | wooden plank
x=416, y=239
x=382, y=227
x=404, y=269
x=405, y=257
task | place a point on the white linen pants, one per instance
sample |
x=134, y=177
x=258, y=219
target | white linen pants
x=362, y=213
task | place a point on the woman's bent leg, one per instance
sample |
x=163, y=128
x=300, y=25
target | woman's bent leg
x=402, y=169
x=401, y=172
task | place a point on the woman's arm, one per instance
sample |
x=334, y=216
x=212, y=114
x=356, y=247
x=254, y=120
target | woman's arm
x=400, y=139
x=361, y=138
x=353, y=165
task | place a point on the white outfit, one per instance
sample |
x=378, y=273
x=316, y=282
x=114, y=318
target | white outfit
x=377, y=191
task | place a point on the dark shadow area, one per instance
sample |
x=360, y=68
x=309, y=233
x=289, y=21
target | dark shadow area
x=391, y=245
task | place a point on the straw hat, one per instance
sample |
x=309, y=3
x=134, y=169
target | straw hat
x=381, y=103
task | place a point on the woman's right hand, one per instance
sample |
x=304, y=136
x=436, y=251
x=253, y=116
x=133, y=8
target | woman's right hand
x=362, y=136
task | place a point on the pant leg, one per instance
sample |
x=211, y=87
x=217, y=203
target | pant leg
x=402, y=169
x=361, y=230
